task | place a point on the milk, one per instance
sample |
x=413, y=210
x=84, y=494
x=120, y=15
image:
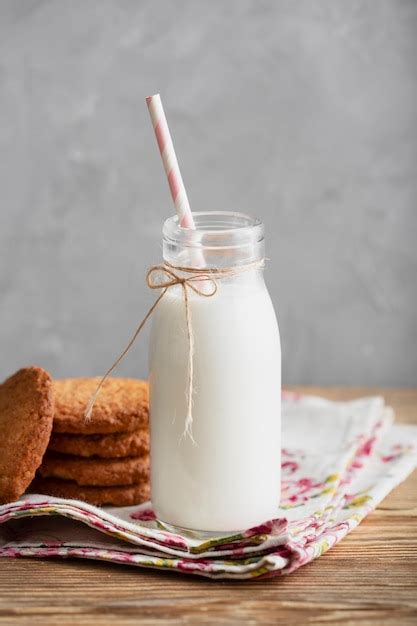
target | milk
x=228, y=478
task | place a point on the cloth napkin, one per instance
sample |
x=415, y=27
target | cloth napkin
x=339, y=460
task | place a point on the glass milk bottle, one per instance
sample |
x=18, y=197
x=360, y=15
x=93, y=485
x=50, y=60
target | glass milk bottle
x=226, y=477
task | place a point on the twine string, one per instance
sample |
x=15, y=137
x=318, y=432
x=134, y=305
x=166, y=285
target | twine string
x=164, y=277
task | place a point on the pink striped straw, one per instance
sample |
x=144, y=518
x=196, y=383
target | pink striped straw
x=169, y=159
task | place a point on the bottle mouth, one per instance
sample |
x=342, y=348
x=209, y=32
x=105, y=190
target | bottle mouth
x=215, y=230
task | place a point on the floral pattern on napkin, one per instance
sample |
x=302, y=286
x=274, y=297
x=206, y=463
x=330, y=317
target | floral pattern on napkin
x=339, y=461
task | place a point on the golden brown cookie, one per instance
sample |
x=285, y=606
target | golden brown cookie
x=104, y=446
x=26, y=415
x=124, y=495
x=95, y=471
x=121, y=406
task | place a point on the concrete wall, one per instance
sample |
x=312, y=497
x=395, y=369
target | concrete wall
x=301, y=112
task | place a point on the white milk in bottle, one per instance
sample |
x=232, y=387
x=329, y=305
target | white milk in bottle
x=226, y=477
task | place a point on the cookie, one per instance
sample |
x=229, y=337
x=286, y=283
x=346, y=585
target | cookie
x=124, y=495
x=104, y=446
x=26, y=415
x=95, y=471
x=121, y=406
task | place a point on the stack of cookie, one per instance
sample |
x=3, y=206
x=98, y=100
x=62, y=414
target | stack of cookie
x=103, y=460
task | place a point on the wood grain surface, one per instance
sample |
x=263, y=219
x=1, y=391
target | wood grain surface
x=369, y=578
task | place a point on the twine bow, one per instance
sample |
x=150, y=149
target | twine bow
x=164, y=277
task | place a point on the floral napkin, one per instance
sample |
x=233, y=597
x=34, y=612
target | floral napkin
x=339, y=460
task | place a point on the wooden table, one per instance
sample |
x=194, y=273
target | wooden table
x=369, y=578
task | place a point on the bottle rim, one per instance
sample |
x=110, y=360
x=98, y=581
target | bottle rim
x=215, y=229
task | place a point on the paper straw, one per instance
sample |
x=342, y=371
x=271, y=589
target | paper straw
x=169, y=159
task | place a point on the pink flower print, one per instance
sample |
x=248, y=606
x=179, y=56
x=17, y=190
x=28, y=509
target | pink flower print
x=11, y=552
x=293, y=454
x=144, y=515
x=388, y=458
x=289, y=467
x=174, y=541
x=306, y=484
x=286, y=452
x=366, y=447
x=196, y=564
x=397, y=451
x=272, y=527
x=284, y=551
x=299, y=491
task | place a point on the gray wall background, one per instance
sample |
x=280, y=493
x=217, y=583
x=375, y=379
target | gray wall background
x=302, y=112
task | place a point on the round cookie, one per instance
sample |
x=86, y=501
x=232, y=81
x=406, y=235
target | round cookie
x=124, y=495
x=26, y=415
x=94, y=471
x=121, y=406
x=104, y=446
